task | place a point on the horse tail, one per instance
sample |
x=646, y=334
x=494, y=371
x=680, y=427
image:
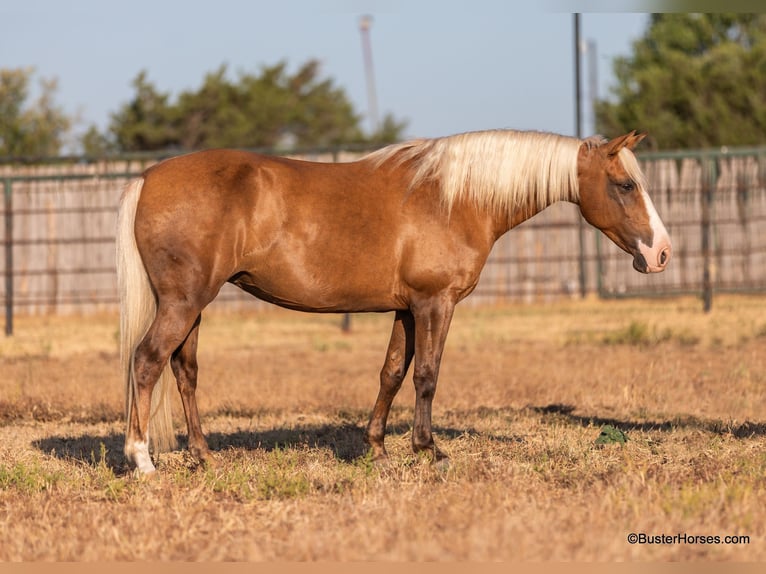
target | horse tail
x=138, y=307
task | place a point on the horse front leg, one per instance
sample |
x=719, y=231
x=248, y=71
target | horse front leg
x=401, y=349
x=432, y=321
x=184, y=365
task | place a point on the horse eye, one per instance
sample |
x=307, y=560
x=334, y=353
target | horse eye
x=628, y=186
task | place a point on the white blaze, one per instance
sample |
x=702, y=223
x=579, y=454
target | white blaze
x=660, y=241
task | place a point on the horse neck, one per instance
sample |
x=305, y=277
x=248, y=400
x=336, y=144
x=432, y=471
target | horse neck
x=504, y=222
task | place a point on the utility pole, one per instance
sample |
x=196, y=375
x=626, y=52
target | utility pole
x=365, y=23
x=578, y=89
x=578, y=131
x=592, y=51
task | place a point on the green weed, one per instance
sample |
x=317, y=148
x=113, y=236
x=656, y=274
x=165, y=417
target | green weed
x=282, y=477
x=104, y=479
x=280, y=484
x=238, y=481
x=637, y=333
x=27, y=479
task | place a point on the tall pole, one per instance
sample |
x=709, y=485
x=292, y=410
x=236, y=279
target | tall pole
x=592, y=50
x=578, y=89
x=365, y=23
x=578, y=132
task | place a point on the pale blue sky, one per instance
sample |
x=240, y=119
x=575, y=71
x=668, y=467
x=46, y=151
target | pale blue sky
x=446, y=66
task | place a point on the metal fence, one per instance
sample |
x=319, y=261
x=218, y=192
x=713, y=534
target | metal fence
x=59, y=222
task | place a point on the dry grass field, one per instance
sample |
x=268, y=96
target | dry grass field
x=524, y=394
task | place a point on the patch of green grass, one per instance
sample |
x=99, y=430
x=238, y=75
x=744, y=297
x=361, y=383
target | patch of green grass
x=366, y=464
x=637, y=333
x=238, y=481
x=28, y=478
x=281, y=483
x=279, y=476
x=104, y=480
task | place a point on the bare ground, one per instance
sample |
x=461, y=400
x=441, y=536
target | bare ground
x=523, y=395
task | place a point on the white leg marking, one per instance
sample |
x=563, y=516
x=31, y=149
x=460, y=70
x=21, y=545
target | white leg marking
x=138, y=452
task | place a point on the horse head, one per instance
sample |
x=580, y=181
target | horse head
x=613, y=198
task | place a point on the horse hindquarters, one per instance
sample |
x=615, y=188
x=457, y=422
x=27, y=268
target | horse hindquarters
x=163, y=290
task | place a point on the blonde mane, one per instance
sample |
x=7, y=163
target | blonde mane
x=501, y=170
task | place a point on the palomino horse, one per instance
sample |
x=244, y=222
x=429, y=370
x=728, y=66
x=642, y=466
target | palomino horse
x=407, y=229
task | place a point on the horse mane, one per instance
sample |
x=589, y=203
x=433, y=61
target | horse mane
x=499, y=169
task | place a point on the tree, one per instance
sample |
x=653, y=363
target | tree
x=147, y=122
x=271, y=109
x=95, y=144
x=390, y=131
x=693, y=81
x=35, y=129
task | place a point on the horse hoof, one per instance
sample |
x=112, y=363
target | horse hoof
x=381, y=462
x=209, y=462
x=146, y=475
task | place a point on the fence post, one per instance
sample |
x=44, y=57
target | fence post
x=8, y=208
x=708, y=185
x=583, y=277
x=599, y=266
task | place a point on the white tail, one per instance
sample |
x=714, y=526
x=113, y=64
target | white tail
x=138, y=308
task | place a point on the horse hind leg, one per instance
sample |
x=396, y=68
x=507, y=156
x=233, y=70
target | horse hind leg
x=171, y=326
x=184, y=365
x=401, y=349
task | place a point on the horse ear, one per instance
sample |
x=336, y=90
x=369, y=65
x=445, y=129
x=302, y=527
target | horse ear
x=613, y=147
x=635, y=140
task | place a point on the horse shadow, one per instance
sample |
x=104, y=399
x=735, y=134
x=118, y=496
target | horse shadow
x=564, y=412
x=346, y=440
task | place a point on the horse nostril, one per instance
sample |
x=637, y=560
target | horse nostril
x=664, y=256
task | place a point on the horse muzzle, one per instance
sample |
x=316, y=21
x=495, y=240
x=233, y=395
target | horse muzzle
x=652, y=259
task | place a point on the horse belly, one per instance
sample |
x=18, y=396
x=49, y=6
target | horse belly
x=316, y=278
